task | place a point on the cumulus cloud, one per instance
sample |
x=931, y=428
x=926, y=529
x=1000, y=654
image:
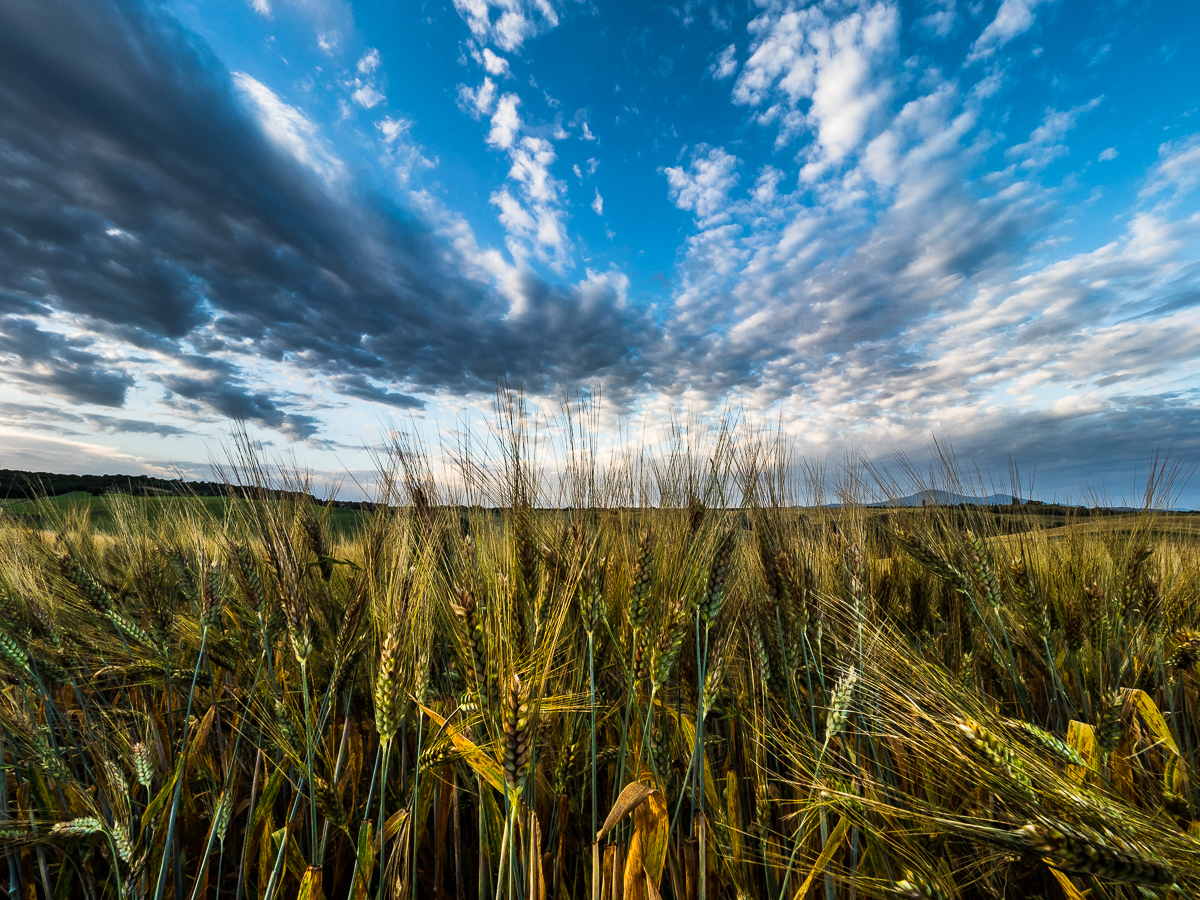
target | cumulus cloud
x=495, y=65
x=478, y=102
x=507, y=23
x=204, y=218
x=902, y=293
x=539, y=224
x=405, y=155
x=367, y=96
x=532, y=213
x=835, y=65
x=216, y=392
x=703, y=186
x=369, y=62
x=506, y=122
x=598, y=204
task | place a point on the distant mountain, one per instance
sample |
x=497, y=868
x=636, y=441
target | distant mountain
x=949, y=498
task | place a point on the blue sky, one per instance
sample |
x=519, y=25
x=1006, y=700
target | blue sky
x=875, y=222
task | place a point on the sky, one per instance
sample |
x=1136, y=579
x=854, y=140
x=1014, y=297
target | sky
x=875, y=224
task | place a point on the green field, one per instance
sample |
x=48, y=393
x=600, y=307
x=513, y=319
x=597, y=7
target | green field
x=98, y=511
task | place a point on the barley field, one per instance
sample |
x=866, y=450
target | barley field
x=661, y=678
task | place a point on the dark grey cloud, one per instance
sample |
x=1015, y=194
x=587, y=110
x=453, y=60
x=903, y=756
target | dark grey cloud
x=140, y=195
x=67, y=422
x=49, y=361
x=234, y=401
x=1102, y=453
x=358, y=386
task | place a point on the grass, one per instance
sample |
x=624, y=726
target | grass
x=741, y=697
x=102, y=516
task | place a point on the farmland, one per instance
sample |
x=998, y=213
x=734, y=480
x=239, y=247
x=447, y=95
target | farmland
x=262, y=696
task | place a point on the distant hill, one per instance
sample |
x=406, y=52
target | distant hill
x=16, y=484
x=949, y=498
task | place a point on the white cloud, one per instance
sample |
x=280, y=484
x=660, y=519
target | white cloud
x=587, y=133
x=368, y=96
x=940, y=17
x=495, y=65
x=533, y=217
x=725, y=64
x=513, y=216
x=404, y=156
x=1107, y=154
x=1013, y=18
x=703, y=187
x=507, y=23
x=262, y=7
x=506, y=122
x=598, y=204
x=531, y=161
x=1178, y=167
x=478, y=101
x=370, y=62
x=393, y=129
x=578, y=174
x=1045, y=142
x=766, y=184
x=289, y=128
x=537, y=223
x=837, y=63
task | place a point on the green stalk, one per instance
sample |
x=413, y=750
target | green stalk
x=249, y=822
x=166, y=857
x=366, y=813
x=416, y=800
x=595, y=818
x=308, y=747
x=337, y=772
x=212, y=831
x=387, y=754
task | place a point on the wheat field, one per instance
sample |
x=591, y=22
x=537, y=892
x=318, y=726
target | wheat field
x=666, y=680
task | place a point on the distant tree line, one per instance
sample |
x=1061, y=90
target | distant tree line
x=16, y=484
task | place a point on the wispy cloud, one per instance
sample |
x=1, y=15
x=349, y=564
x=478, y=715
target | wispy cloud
x=290, y=129
x=725, y=65
x=1177, y=169
x=1013, y=18
x=1046, y=143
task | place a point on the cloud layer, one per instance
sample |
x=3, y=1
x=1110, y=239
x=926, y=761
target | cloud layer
x=877, y=249
x=156, y=205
